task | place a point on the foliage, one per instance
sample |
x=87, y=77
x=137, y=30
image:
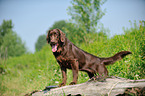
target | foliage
x=40, y=42
x=86, y=13
x=77, y=35
x=31, y=72
x=5, y=28
x=10, y=43
x=84, y=22
x=59, y=24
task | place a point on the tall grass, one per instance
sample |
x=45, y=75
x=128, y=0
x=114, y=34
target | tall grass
x=35, y=71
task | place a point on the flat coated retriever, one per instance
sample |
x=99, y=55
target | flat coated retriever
x=70, y=56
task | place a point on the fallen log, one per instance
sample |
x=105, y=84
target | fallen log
x=112, y=86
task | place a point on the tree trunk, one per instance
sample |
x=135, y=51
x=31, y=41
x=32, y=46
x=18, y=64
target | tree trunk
x=112, y=86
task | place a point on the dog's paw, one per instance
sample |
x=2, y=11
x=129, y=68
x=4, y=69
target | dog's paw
x=61, y=84
x=72, y=83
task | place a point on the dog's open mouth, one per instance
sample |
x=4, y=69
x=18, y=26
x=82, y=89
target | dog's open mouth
x=54, y=47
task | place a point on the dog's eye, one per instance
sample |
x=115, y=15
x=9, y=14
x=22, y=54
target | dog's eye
x=55, y=34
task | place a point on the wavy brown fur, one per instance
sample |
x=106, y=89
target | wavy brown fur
x=70, y=56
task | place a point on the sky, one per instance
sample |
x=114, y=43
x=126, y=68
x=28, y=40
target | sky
x=32, y=18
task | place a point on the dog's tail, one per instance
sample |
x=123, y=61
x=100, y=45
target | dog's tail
x=116, y=57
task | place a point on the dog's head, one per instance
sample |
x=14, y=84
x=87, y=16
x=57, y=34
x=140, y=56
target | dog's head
x=54, y=38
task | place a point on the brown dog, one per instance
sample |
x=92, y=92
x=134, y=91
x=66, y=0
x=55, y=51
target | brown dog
x=70, y=56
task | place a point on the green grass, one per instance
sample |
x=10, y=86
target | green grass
x=35, y=71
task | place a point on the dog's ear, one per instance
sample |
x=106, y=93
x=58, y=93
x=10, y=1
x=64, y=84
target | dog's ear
x=62, y=35
x=48, y=37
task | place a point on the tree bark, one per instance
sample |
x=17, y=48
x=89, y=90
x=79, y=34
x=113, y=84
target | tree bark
x=112, y=86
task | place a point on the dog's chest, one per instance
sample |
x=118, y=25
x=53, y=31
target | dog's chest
x=61, y=59
x=64, y=61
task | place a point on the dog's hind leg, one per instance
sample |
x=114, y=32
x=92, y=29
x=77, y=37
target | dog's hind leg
x=103, y=73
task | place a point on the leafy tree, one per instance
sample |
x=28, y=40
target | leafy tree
x=14, y=44
x=86, y=13
x=59, y=24
x=40, y=42
x=5, y=29
x=10, y=43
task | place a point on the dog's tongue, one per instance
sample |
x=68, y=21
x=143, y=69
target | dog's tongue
x=54, y=48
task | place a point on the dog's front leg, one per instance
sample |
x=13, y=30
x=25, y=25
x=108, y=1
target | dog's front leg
x=64, y=76
x=75, y=69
